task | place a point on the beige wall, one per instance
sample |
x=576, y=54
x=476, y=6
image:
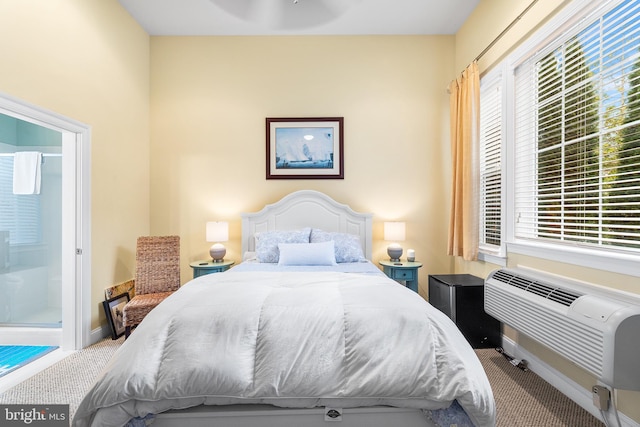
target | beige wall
x=209, y=100
x=486, y=22
x=88, y=60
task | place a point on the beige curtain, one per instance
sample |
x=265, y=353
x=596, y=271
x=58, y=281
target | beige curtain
x=464, y=106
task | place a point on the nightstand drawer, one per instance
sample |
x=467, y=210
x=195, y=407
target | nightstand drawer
x=204, y=267
x=405, y=273
x=402, y=274
x=197, y=272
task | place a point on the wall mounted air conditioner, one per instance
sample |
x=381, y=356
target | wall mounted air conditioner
x=597, y=330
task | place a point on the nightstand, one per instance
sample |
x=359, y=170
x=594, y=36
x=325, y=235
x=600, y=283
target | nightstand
x=406, y=272
x=461, y=297
x=200, y=268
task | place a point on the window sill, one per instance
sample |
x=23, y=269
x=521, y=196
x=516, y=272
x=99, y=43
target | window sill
x=606, y=261
x=492, y=258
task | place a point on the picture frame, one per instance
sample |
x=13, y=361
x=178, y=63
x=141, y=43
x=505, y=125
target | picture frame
x=113, y=310
x=305, y=148
x=127, y=286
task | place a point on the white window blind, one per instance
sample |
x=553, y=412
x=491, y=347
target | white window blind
x=577, y=135
x=491, y=164
x=19, y=214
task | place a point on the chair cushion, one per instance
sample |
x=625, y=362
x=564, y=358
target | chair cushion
x=140, y=306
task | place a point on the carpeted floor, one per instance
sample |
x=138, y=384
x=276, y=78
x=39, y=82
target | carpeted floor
x=523, y=399
x=67, y=381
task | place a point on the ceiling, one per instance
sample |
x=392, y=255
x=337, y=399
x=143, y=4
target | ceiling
x=304, y=17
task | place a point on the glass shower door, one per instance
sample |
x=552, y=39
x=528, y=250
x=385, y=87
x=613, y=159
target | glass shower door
x=30, y=228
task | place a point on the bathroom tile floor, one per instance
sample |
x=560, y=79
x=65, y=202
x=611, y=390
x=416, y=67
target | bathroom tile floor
x=13, y=357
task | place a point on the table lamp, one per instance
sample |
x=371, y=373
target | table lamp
x=217, y=231
x=394, y=232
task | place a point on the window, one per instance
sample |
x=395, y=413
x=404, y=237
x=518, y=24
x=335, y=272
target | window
x=560, y=125
x=577, y=136
x=19, y=214
x=491, y=124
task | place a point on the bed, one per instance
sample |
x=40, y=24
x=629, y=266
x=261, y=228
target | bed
x=305, y=331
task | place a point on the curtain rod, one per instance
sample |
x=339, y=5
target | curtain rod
x=505, y=31
x=510, y=26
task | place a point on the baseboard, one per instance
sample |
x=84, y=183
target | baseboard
x=98, y=334
x=564, y=384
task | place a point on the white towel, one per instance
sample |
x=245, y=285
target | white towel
x=26, y=172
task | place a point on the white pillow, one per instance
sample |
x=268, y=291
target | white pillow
x=307, y=254
x=347, y=246
x=267, y=242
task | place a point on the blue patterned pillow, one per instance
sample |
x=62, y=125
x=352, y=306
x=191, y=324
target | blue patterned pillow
x=347, y=246
x=267, y=242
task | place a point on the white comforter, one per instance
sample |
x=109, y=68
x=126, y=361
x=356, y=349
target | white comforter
x=291, y=340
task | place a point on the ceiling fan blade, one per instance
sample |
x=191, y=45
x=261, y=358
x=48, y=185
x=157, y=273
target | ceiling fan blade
x=269, y=12
x=239, y=8
x=285, y=14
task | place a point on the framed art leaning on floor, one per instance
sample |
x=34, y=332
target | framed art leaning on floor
x=113, y=309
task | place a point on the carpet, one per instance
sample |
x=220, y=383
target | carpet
x=67, y=381
x=13, y=357
x=523, y=399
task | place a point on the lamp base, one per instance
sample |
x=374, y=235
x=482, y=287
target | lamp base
x=217, y=252
x=394, y=252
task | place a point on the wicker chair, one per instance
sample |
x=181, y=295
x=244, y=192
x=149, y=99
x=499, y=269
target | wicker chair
x=157, y=276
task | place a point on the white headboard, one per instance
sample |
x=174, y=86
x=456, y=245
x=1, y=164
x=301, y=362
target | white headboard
x=307, y=208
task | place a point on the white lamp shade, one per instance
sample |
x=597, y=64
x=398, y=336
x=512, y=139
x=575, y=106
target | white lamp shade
x=394, y=231
x=217, y=231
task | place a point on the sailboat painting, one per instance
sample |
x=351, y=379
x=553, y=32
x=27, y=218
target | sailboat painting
x=304, y=148
x=307, y=148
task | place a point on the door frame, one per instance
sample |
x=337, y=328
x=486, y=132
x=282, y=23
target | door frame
x=76, y=215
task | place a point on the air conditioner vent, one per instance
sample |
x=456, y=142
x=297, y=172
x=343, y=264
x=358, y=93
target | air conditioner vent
x=545, y=290
x=563, y=297
x=597, y=331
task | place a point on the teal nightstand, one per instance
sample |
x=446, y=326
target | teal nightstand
x=406, y=272
x=200, y=268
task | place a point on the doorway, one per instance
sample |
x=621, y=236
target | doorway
x=44, y=228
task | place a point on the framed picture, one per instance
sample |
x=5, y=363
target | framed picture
x=113, y=309
x=305, y=148
x=120, y=288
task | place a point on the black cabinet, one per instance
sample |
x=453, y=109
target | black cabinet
x=461, y=297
